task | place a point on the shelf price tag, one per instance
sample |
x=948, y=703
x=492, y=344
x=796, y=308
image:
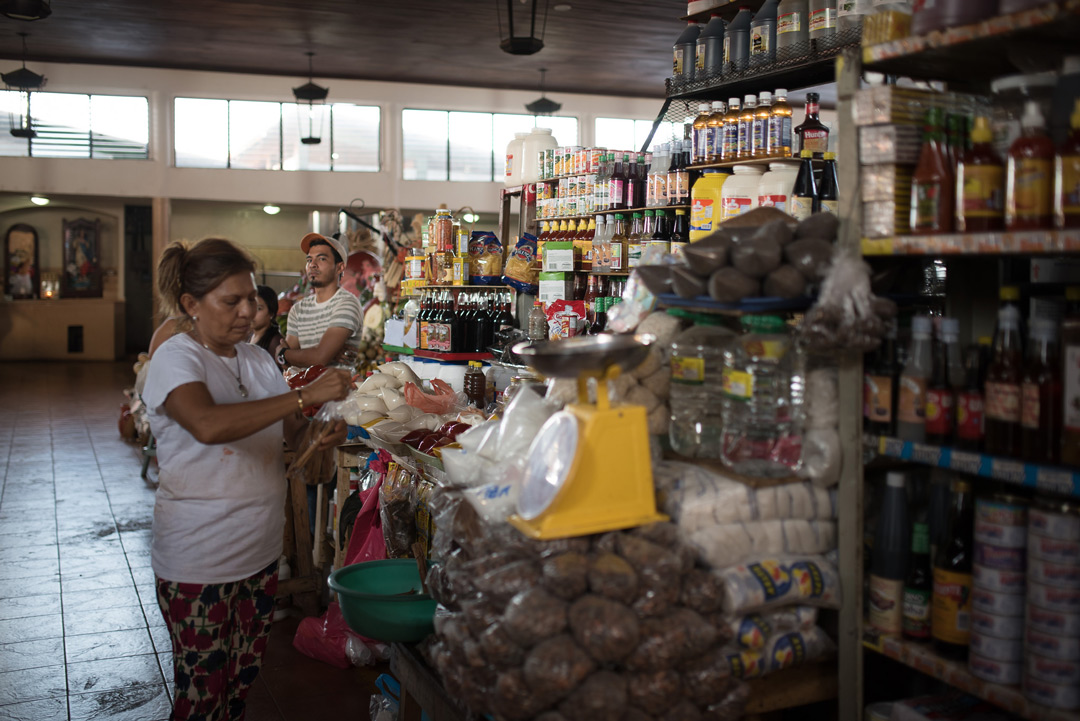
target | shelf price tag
x=930, y=455
x=892, y=447
x=966, y=462
x=1008, y=471
x=1055, y=481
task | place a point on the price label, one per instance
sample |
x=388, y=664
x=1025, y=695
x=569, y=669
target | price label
x=1009, y=471
x=1048, y=479
x=930, y=455
x=965, y=462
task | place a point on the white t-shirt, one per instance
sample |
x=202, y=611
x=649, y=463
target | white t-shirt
x=219, y=513
x=309, y=319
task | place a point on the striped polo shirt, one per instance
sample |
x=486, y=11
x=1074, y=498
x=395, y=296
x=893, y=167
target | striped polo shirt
x=308, y=319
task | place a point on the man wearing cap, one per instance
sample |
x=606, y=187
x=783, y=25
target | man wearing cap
x=323, y=328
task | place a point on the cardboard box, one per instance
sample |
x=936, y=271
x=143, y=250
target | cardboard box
x=556, y=286
x=559, y=257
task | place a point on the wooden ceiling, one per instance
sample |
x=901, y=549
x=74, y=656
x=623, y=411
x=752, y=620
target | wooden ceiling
x=611, y=47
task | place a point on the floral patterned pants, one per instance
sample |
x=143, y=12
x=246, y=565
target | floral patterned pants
x=219, y=633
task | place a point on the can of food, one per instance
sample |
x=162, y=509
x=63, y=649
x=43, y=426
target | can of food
x=1007, y=650
x=1058, y=520
x=1003, y=627
x=997, y=604
x=1000, y=558
x=549, y=163
x=1054, y=574
x=1053, y=622
x=992, y=579
x=1002, y=509
x=1052, y=695
x=1065, y=600
x=1054, y=550
x=1061, y=648
x=995, y=534
x=993, y=671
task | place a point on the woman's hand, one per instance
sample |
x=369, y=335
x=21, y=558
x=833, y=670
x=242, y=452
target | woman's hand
x=335, y=437
x=333, y=385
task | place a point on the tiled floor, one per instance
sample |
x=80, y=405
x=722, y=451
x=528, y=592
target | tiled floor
x=81, y=636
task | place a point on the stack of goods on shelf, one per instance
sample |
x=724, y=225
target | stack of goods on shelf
x=1052, y=640
x=464, y=321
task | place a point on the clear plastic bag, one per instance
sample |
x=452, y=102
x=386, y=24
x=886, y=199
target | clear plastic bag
x=397, y=509
x=312, y=466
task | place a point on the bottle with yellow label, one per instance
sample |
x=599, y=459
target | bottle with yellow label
x=1067, y=176
x=980, y=183
x=950, y=614
x=1028, y=199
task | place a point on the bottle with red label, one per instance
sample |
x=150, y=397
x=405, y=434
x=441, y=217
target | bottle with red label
x=946, y=381
x=932, y=188
x=950, y=614
x=911, y=411
x=1028, y=177
x=969, y=404
x=813, y=134
x=1040, y=396
x=879, y=387
x=1002, y=391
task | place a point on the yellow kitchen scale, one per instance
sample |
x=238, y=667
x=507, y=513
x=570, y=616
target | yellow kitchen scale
x=589, y=468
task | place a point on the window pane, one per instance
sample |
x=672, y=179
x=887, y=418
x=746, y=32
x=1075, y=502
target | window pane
x=616, y=134
x=297, y=122
x=201, y=133
x=665, y=132
x=425, y=137
x=62, y=122
x=356, y=137
x=505, y=125
x=470, y=147
x=120, y=127
x=12, y=102
x=254, y=135
x=564, y=130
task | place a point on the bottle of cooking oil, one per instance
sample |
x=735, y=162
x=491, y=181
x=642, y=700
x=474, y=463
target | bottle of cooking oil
x=715, y=132
x=731, y=130
x=700, y=140
x=778, y=144
x=746, y=127
x=758, y=140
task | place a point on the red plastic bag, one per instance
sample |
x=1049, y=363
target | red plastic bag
x=366, y=542
x=325, y=638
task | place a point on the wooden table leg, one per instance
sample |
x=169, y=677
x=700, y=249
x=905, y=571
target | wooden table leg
x=308, y=602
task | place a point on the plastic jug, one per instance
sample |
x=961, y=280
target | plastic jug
x=538, y=140
x=685, y=53
x=705, y=206
x=697, y=389
x=737, y=41
x=710, y=49
x=822, y=25
x=514, y=150
x=763, y=35
x=792, y=28
x=850, y=14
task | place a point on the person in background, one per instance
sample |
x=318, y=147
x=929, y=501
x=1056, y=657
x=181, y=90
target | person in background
x=219, y=408
x=162, y=333
x=265, y=332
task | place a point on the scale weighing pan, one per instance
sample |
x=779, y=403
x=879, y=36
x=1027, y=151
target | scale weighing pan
x=588, y=469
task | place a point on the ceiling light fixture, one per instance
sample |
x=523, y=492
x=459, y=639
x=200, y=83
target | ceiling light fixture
x=315, y=97
x=25, y=9
x=562, y=7
x=271, y=209
x=39, y=200
x=24, y=82
x=543, y=106
x=522, y=13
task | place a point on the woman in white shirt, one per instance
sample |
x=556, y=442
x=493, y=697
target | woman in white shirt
x=219, y=409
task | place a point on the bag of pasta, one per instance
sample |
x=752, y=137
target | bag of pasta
x=521, y=271
x=485, y=258
x=313, y=466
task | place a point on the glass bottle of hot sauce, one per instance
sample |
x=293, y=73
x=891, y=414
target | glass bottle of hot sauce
x=1067, y=176
x=980, y=184
x=1028, y=176
x=932, y=184
x=1003, y=379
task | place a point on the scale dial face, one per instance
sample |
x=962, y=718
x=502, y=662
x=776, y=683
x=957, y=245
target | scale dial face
x=551, y=459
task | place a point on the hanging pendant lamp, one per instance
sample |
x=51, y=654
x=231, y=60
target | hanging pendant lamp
x=24, y=82
x=310, y=117
x=542, y=105
x=522, y=15
x=25, y=9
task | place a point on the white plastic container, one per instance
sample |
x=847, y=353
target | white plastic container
x=514, y=150
x=539, y=139
x=739, y=193
x=775, y=186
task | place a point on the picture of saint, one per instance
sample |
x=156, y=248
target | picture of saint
x=22, y=270
x=82, y=266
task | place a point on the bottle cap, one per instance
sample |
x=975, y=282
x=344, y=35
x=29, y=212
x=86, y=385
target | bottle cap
x=1009, y=292
x=1033, y=117
x=830, y=156
x=781, y=92
x=703, y=108
x=750, y=99
x=950, y=328
x=920, y=326
x=762, y=323
x=637, y=215
x=985, y=340
x=648, y=214
x=718, y=105
x=1009, y=317
x=765, y=96
x=806, y=153
x=894, y=479
x=680, y=212
x=981, y=132
x=732, y=101
x=1044, y=329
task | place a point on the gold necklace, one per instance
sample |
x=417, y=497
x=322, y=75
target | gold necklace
x=239, y=383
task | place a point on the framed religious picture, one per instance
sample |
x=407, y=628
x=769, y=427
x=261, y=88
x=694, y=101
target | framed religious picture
x=22, y=275
x=81, y=275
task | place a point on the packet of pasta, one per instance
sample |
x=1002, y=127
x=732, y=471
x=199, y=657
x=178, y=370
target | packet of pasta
x=521, y=272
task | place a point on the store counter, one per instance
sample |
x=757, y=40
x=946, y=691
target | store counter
x=421, y=689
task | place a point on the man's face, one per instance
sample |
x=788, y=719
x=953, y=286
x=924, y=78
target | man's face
x=321, y=268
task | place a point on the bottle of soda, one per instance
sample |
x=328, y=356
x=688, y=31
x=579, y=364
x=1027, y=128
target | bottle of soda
x=950, y=616
x=918, y=586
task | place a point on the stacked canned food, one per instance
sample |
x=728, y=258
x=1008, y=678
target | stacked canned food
x=569, y=160
x=997, y=597
x=1052, y=643
x=564, y=197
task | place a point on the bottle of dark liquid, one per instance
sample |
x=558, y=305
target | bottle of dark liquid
x=828, y=188
x=1040, y=393
x=890, y=558
x=918, y=586
x=950, y=616
x=1070, y=353
x=680, y=229
x=879, y=387
x=617, y=184
x=945, y=382
x=468, y=319
x=506, y=315
x=475, y=385
x=804, y=196
x=813, y=134
x=590, y=301
x=485, y=326
x=600, y=323
x=1002, y=391
x=661, y=227
x=446, y=318
x=969, y=404
x=457, y=325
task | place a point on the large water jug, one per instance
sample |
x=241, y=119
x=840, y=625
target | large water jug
x=514, y=150
x=762, y=408
x=696, y=386
x=538, y=140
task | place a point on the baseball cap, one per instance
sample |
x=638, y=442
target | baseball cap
x=336, y=244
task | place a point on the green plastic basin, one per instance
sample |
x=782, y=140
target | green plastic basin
x=372, y=601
